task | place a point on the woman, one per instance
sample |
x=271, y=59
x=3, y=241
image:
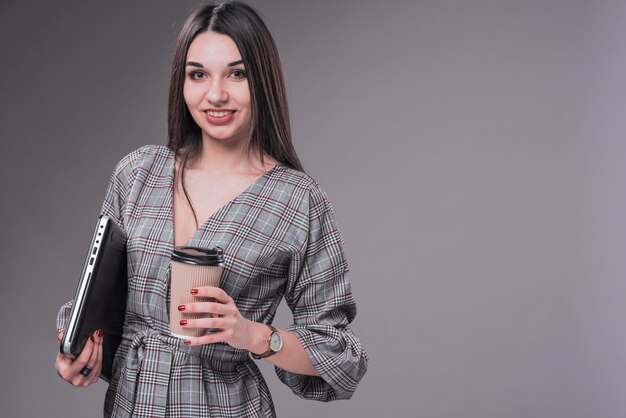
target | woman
x=228, y=177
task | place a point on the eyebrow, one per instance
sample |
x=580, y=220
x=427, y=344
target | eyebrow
x=197, y=64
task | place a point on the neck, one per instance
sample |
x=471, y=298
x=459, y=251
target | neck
x=219, y=158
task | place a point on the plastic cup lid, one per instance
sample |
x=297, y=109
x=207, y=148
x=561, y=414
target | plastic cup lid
x=197, y=255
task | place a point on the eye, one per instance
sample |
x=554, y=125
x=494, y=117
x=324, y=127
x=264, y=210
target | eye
x=238, y=73
x=195, y=75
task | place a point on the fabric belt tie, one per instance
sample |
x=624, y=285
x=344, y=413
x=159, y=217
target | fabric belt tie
x=146, y=372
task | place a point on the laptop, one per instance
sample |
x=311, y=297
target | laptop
x=100, y=299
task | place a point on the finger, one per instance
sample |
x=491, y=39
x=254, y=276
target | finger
x=61, y=365
x=208, y=323
x=61, y=362
x=83, y=357
x=97, y=365
x=94, y=353
x=62, y=359
x=210, y=307
x=212, y=292
x=61, y=356
x=60, y=338
x=216, y=337
x=77, y=367
x=92, y=363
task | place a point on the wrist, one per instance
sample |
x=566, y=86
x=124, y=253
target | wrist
x=259, y=335
x=275, y=343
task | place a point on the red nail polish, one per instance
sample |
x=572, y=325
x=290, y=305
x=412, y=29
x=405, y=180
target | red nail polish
x=91, y=338
x=187, y=342
x=99, y=333
x=194, y=291
x=183, y=322
x=181, y=307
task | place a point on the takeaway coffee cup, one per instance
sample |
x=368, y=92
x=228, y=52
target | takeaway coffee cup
x=192, y=267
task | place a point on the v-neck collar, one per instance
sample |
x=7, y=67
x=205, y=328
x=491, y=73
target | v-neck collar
x=197, y=237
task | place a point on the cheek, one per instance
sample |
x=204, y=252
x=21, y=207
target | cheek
x=243, y=95
x=192, y=94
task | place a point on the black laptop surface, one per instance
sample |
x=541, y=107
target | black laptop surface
x=100, y=300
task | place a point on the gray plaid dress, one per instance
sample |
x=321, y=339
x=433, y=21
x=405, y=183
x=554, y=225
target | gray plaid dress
x=280, y=240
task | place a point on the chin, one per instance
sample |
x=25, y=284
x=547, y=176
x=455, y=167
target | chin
x=223, y=137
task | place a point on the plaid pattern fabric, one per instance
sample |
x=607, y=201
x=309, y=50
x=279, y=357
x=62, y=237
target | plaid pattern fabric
x=280, y=240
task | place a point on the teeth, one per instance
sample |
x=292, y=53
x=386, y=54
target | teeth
x=220, y=114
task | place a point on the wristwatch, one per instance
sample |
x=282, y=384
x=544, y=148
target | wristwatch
x=276, y=343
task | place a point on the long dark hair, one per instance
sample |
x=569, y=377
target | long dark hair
x=270, y=132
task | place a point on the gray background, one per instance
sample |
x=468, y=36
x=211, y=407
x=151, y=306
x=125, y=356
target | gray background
x=473, y=150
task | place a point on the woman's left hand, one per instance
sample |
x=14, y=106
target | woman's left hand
x=230, y=326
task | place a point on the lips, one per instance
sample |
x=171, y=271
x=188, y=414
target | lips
x=219, y=117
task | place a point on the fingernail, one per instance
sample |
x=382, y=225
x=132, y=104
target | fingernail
x=183, y=322
x=99, y=333
x=194, y=291
x=91, y=338
x=187, y=342
x=181, y=307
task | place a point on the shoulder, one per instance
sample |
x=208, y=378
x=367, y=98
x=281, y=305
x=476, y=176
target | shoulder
x=299, y=184
x=147, y=155
x=145, y=158
x=308, y=200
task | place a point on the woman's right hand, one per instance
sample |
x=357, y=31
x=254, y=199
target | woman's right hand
x=90, y=357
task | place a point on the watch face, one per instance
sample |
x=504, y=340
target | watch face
x=276, y=341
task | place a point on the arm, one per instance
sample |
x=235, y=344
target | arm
x=243, y=333
x=291, y=357
x=320, y=297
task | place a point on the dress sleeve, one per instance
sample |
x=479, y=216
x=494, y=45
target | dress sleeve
x=319, y=295
x=114, y=201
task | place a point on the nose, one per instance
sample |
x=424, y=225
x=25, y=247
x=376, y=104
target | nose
x=216, y=93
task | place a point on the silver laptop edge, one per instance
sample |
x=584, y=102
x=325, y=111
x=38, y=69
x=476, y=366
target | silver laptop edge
x=79, y=298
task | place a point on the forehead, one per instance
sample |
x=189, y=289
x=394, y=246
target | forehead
x=211, y=47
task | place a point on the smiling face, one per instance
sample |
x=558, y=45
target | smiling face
x=216, y=88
